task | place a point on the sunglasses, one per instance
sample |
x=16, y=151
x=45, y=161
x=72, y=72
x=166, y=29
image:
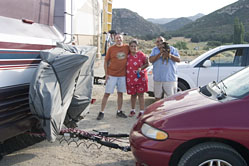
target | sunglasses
x=158, y=41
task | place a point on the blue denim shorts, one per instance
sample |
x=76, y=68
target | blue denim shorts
x=113, y=82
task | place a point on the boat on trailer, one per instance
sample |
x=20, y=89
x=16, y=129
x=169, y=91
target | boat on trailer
x=27, y=27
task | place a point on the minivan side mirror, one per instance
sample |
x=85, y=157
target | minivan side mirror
x=207, y=63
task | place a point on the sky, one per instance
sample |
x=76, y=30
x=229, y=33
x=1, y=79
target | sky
x=171, y=9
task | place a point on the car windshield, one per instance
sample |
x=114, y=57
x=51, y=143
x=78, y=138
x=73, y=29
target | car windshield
x=235, y=86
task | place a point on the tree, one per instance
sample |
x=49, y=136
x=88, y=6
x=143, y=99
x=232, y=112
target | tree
x=247, y=37
x=181, y=45
x=242, y=35
x=239, y=32
x=195, y=38
x=214, y=43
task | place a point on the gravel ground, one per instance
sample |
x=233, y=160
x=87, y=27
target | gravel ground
x=53, y=154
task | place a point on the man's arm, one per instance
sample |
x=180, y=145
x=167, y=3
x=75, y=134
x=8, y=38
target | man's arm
x=105, y=68
x=152, y=59
x=174, y=58
x=174, y=55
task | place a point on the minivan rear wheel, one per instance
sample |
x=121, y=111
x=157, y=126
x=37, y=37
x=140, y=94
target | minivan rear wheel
x=211, y=154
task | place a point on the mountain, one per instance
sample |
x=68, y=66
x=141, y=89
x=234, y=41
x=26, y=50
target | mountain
x=160, y=20
x=195, y=17
x=216, y=26
x=167, y=20
x=176, y=24
x=124, y=20
x=219, y=24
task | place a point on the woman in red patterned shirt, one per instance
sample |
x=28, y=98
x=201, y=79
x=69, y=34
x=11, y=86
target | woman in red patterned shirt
x=136, y=77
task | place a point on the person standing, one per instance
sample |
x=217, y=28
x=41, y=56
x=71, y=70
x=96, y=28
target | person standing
x=136, y=77
x=115, y=72
x=110, y=38
x=164, y=72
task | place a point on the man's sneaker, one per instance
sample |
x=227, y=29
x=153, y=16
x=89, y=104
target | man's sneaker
x=132, y=113
x=121, y=114
x=100, y=116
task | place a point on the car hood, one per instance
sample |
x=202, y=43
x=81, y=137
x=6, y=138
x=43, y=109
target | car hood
x=184, y=102
x=183, y=65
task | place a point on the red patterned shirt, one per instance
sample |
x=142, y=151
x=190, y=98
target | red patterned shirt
x=133, y=63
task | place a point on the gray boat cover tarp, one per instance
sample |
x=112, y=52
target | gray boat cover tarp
x=61, y=88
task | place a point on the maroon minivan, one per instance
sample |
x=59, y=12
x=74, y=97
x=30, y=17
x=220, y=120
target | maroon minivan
x=208, y=126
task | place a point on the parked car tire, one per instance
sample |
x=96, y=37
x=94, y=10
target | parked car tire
x=205, y=153
x=181, y=86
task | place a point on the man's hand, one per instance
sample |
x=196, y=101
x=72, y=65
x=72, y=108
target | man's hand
x=106, y=78
x=152, y=59
x=168, y=55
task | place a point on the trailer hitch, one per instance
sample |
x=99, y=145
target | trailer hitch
x=98, y=139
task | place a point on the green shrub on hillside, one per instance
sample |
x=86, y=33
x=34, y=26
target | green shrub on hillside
x=214, y=43
x=181, y=45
